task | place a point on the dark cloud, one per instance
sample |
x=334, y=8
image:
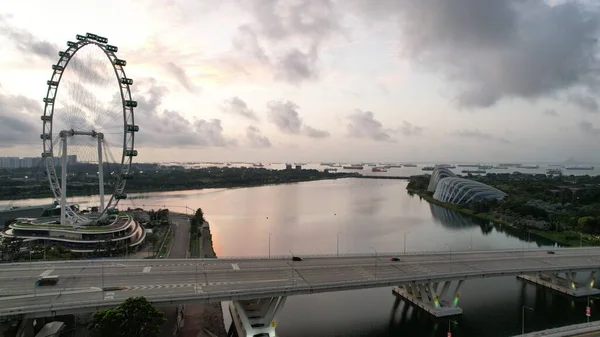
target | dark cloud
x=237, y=106
x=306, y=24
x=314, y=133
x=550, y=113
x=409, y=129
x=476, y=134
x=256, y=139
x=181, y=77
x=19, y=120
x=284, y=114
x=25, y=42
x=589, y=129
x=498, y=48
x=584, y=101
x=362, y=124
x=169, y=128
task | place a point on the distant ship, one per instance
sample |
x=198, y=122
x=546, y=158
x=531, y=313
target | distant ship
x=353, y=167
x=330, y=170
x=500, y=167
x=378, y=169
x=468, y=165
x=485, y=167
x=327, y=164
x=448, y=166
x=409, y=165
x=428, y=168
x=580, y=167
x=529, y=166
x=258, y=165
x=396, y=166
x=473, y=171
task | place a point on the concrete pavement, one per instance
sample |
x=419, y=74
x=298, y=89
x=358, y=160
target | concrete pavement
x=178, y=281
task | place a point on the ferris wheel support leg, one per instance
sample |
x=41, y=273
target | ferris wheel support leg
x=63, y=181
x=100, y=173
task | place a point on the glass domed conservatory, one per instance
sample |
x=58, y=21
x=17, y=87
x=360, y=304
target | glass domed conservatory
x=460, y=191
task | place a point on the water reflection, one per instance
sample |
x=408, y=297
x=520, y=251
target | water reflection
x=306, y=218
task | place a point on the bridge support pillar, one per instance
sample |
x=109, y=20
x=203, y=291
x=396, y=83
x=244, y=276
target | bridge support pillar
x=430, y=298
x=564, y=282
x=256, y=317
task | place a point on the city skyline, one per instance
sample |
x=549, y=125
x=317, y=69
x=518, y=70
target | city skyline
x=344, y=81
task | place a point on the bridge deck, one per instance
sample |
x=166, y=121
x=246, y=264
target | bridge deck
x=186, y=280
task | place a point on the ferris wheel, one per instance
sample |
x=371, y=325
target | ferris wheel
x=90, y=120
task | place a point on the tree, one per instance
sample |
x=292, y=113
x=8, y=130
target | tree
x=136, y=317
x=10, y=247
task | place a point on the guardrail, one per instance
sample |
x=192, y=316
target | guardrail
x=319, y=256
x=569, y=330
x=264, y=292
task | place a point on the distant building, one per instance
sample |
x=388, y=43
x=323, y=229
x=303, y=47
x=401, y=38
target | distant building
x=298, y=167
x=29, y=162
x=288, y=166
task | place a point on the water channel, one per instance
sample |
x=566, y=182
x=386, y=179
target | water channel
x=305, y=218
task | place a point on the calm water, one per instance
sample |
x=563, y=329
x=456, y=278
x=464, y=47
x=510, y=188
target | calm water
x=306, y=219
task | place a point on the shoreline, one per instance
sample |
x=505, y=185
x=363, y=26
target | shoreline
x=179, y=188
x=561, y=238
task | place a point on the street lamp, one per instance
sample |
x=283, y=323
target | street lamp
x=196, y=278
x=449, y=326
x=450, y=249
x=405, y=234
x=375, y=250
x=270, y=245
x=523, y=318
x=293, y=282
x=338, y=244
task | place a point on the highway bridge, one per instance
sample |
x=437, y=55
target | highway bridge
x=258, y=287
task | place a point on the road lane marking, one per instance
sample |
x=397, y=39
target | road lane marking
x=109, y=296
x=54, y=293
x=147, y=269
x=46, y=273
x=235, y=266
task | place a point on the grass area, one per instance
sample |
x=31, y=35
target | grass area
x=56, y=226
x=194, y=247
x=167, y=245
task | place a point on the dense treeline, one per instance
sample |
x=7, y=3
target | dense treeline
x=150, y=177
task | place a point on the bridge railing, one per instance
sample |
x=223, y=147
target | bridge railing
x=308, y=256
x=287, y=290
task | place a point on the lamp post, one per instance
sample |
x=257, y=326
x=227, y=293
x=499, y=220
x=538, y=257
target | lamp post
x=523, y=318
x=196, y=278
x=293, y=282
x=338, y=244
x=450, y=249
x=450, y=326
x=375, y=250
x=405, y=234
x=589, y=313
x=270, y=245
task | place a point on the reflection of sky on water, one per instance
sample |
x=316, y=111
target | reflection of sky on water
x=306, y=218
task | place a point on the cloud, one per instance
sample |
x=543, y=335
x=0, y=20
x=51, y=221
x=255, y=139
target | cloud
x=550, y=113
x=492, y=49
x=256, y=139
x=584, y=101
x=181, y=77
x=284, y=115
x=237, y=106
x=305, y=24
x=362, y=124
x=19, y=120
x=479, y=135
x=25, y=42
x=315, y=133
x=169, y=128
x=408, y=129
x=588, y=128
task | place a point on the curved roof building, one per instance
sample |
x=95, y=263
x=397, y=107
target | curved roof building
x=438, y=174
x=123, y=230
x=460, y=191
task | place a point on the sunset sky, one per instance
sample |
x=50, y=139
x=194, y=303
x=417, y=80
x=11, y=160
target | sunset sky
x=325, y=80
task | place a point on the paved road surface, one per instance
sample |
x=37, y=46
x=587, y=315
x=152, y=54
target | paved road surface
x=184, y=280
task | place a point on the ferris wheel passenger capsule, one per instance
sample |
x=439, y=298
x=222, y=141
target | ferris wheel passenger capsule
x=80, y=37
